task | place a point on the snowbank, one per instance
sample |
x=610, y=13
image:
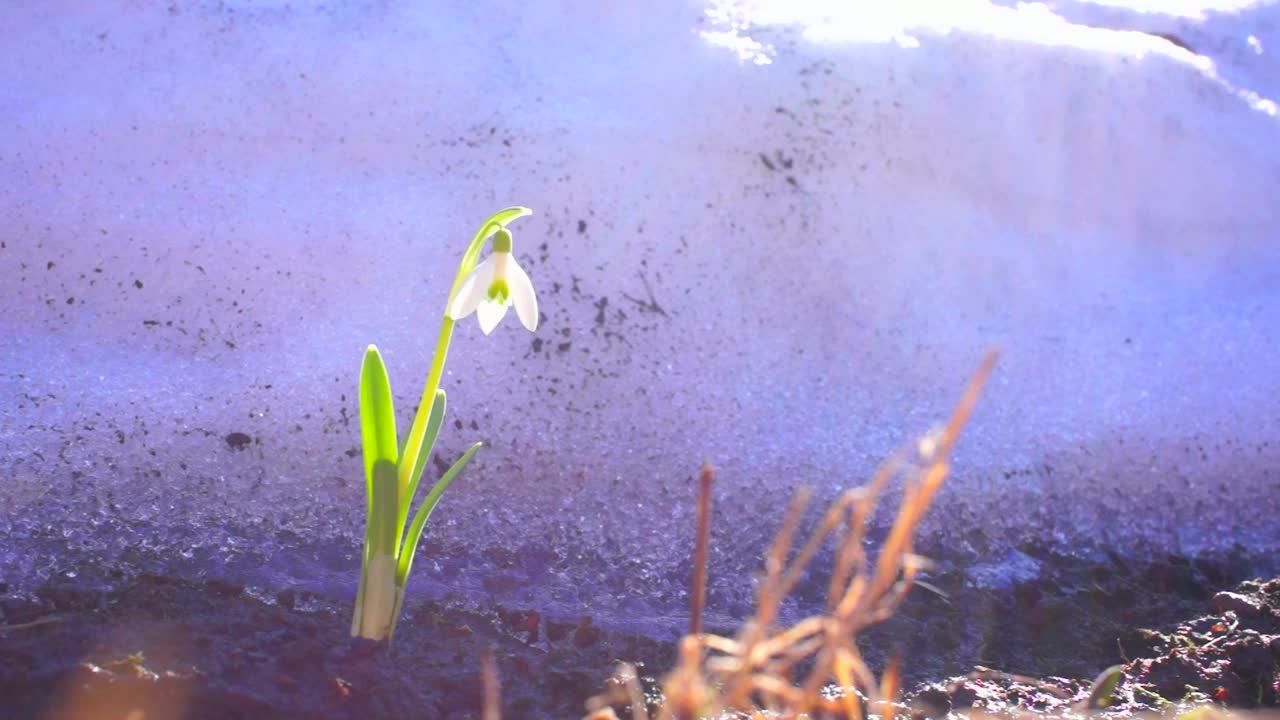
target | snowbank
x=788, y=267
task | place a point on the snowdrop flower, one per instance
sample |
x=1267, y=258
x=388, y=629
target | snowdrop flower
x=495, y=285
x=393, y=471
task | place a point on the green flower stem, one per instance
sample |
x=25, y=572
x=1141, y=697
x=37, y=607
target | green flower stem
x=413, y=444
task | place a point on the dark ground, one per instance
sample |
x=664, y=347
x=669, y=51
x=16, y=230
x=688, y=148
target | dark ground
x=177, y=648
x=1225, y=658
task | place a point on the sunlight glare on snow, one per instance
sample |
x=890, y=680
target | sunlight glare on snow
x=732, y=22
x=1180, y=8
x=744, y=27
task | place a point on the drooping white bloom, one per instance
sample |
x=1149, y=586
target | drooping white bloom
x=494, y=285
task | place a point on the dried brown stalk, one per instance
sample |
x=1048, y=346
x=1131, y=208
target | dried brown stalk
x=699, y=599
x=491, y=707
x=753, y=671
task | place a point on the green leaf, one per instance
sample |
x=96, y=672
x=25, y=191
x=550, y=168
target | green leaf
x=364, y=581
x=506, y=215
x=1104, y=687
x=420, y=518
x=434, y=421
x=380, y=539
x=377, y=413
x=424, y=512
x=382, y=535
x=378, y=435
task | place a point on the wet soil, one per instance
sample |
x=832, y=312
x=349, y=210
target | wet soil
x=1227, y=656
x=189, y=649
x=182, y=649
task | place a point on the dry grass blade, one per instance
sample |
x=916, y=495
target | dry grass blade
x=919, y=498
x=624, y=688
x=48, y=619
x=998, y=676
x=843, y=670
x=686, y=691
x=776, y=562
x=721, y=644
x=780, y=643
x=968, y=401
x=829, y=522
x=890, y=683
x=740, y=687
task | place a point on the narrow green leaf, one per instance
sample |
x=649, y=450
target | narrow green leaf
x=434, y=422
x=356, y=620
x=383, y=538
x=1104, y=687
x=377, y=413
x=410, y=547
x=380, y=539
x=424, y=512
x=377, y=424
x=395, y=616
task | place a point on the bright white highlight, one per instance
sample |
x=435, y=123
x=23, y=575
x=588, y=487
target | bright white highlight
x=744, y=27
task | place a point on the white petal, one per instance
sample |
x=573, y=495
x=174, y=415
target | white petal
x=522, y=295
x=490, y=314
x=472, y=291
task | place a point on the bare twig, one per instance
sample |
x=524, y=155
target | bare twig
x=699, y=599
x=491, y=688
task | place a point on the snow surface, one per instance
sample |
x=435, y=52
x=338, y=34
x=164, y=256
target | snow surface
x=761, y=238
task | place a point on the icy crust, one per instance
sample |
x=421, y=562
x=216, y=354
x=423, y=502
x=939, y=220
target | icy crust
x=789, y=270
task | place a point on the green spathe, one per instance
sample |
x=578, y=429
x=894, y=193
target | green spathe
x=393, y=473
